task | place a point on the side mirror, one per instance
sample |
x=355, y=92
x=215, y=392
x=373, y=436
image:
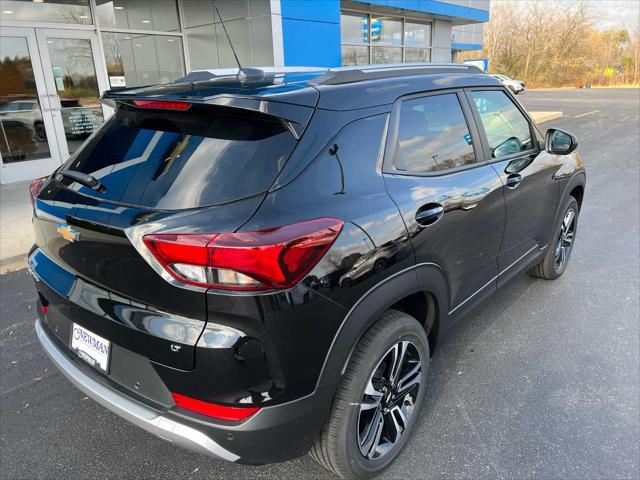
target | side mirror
x=510, y=146
x=559, y=142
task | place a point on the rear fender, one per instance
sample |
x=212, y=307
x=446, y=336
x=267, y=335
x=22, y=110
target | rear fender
x=426, y=277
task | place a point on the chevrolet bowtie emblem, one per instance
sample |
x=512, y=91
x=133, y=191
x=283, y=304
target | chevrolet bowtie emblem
x=68, y=233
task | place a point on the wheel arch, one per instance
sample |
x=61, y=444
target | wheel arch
x=577, y=192
x=575, y=187
x=425, y=279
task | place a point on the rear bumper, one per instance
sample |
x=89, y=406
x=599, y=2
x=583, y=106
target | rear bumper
x=135, y=412
x=274, y=434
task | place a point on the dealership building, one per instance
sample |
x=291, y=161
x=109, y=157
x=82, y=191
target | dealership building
x=58, y=56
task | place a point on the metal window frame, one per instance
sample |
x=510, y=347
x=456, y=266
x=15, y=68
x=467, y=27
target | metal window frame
x=391, y=146
x=134, y=31
x=94, y=26
x=402, y=18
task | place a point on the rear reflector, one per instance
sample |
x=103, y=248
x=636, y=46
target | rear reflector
x=213, y=410
x=274, y=258
x=163, y=104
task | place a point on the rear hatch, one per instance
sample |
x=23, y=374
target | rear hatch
x=158, y=167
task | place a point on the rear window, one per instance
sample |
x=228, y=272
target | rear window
x=177, y=160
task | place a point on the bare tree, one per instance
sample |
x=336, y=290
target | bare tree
x=548, y=43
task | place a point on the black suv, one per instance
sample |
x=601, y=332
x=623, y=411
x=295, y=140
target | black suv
x=258, y=266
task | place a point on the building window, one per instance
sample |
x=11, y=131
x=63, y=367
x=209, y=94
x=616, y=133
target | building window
x=160, y=16
x=140, y=59
x=417, y=41
x=54, y=11
x=370, y=38
x=248, y=24
x=133, y=56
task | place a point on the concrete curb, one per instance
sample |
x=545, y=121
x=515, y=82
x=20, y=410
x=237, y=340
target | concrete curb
x=541, y=117
x=13, y=263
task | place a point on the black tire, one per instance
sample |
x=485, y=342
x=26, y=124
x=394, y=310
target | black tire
x=380, y=264
x=338, y=448
x=549, y=267
x=41, y=133
x=347, y=283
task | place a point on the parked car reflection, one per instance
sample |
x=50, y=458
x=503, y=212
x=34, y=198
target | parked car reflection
x=79, y=121
x=26, y=110
x=369, y=263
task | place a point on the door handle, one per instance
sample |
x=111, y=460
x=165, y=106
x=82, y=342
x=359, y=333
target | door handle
x=54, y=102
x=429, y=214
x=44, y=103
x=514, y=180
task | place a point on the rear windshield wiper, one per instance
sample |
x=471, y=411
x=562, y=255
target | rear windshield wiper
x=83, y=179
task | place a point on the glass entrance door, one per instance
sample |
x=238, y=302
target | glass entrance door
x=74, y=81
x=28, y=147
x=50, y=84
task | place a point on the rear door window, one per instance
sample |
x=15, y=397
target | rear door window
x=433, y=135
x=177, y=160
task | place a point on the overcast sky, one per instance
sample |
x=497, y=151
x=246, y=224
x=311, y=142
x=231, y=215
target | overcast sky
x=616, y=13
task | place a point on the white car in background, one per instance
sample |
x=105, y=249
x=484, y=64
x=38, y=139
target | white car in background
x=79, y=121
x=516, y=86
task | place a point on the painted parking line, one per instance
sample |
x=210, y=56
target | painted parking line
x=585, y=114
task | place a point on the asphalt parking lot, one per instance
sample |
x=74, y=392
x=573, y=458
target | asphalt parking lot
x=542, y=382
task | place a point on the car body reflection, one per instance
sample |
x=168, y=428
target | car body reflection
x=369, y=263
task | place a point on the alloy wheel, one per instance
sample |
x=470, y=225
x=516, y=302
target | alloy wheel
x=565, y=239
x=389, y=399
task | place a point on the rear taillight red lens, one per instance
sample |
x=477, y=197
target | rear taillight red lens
x=163, y=104
x=34, y=188
x=274, y=258
x=214, y=410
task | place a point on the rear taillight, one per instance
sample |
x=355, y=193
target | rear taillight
x=214, y=410
x=274, y=258
x=34, y=188
x=163, y=104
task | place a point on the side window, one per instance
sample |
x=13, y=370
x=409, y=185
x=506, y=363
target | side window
x=507, y=129
x=433, y=135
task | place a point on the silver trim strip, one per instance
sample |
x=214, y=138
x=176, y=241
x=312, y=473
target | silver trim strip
x=132, y=411
x=493, y=279
x=351, y=310
x=519, y=258
x=474, y=294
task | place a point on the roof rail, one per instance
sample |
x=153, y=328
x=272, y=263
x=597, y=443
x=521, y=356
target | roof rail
x=360, y=73
x=208, y=74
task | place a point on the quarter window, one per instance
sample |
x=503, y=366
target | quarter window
x=433, y=135
x=508, y=131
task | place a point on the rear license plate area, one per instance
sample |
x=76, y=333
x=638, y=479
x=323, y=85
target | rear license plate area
x=91, y=348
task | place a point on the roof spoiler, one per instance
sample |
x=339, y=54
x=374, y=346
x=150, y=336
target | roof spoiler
x=293, y=117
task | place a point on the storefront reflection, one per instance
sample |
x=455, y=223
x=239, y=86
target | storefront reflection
x=77, y=90
x=22, y=134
